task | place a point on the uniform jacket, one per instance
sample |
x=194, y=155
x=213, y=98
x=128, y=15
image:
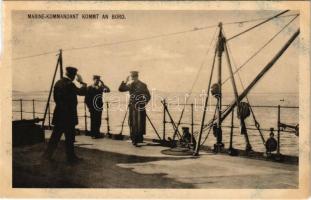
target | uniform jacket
x=65, y=97
x=139, y=93
x=93, y=92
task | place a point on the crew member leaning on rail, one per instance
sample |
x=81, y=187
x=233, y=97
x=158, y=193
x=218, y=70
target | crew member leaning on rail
x=65, y=116
x=139, y=97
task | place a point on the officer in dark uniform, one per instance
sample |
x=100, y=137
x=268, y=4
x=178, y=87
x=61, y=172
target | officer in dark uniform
x=65, y=116
x=94, y=102
x=139, y=97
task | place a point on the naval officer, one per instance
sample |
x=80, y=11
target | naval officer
x=65, y=116
x=139, y=97
x=94, y=103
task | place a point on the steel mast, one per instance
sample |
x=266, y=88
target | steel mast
x=220, y=49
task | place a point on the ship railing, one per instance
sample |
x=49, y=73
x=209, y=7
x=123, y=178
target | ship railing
x=35, y=113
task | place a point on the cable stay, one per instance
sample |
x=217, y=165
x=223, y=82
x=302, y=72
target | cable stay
x=194, y=82
x=210, y=128
x=254, y=20
x=122, y=42
x=206, y=102
x=150, y=37
x=222, y=46
x=261, y=48
x=257, y=125
x=237, y=69
x=234, y=85
x=226, y=112
x=257, y=25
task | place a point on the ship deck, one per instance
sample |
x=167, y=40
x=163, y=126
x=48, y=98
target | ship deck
x=111, y=163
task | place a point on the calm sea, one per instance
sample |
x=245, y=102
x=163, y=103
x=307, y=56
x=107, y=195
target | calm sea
x=267, y=117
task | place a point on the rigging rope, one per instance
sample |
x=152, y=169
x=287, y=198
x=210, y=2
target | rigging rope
x=251, y=28
x=196, y=78
x=261, y=48
x=210, y=128
x=124, y=41
x=146, y=38
x=35, y=55
x=247, y=100
x=254, y=20
x=205, y=126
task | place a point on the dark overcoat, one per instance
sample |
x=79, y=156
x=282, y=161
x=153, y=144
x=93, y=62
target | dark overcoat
x=65, y=97
x=94, y=97
x=139, y=97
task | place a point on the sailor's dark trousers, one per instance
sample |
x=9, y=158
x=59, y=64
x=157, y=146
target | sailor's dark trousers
x=96, y=119
x=69, y=140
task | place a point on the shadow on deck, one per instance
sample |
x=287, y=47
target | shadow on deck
x=99, y=169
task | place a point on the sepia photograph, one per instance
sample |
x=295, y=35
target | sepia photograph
x=158, y=98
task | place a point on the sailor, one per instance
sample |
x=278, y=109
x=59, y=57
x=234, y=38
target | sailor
x=139, y=97
x=271, y=143
x=94, y=102
x=188, y=138
x=65, y=116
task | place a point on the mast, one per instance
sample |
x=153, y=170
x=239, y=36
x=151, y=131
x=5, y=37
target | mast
x=220, y=49
x=59, y=64
x=257, y=78
x=230, y=108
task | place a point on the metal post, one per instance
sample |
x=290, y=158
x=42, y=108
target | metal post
x=85, y=120
x=107, y=111
x=164, y=120
x=49, y=116
x=172, y=121
x=279, y=130
x=33, y=109
x=231, y=131
x=192, y=122
x=21, y=106
x=61, y=63
x=50, y=92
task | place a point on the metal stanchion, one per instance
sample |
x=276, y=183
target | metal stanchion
x=279, y=129
x=33, y=109
x=49, y=116
x=85, y=120
x=192, y=121
x=21, y=106
x=164, y=121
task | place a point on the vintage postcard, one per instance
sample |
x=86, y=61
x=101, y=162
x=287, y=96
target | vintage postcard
x=162, y=100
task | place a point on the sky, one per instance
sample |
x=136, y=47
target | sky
x=167, y=64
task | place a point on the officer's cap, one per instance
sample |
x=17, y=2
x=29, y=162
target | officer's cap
x=71, y=70
x=96, y=77
x=184, y=128
x=134, y=73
